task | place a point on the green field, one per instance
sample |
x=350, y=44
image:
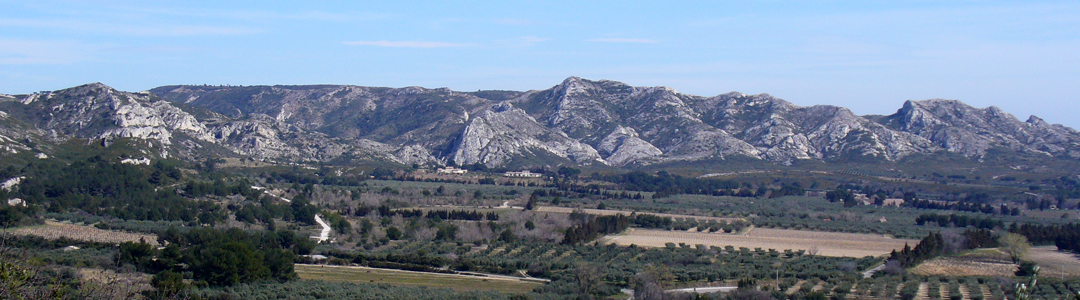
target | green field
x=459, y=283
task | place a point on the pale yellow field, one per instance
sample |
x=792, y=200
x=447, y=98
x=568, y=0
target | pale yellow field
x=608, y=212
x=826, y=243
x=54, y=230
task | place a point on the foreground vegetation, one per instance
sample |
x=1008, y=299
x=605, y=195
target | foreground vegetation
x=240, y=232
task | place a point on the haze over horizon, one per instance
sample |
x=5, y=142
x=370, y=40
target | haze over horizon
x=1019, y=56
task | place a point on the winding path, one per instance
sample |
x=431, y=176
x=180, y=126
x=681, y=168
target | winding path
x=870, y=273
x=325, y=233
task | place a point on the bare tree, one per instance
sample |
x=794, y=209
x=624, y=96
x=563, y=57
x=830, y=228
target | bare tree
x=1015, y=245
x=588, y=277
x=954, y=241
x=649, y=284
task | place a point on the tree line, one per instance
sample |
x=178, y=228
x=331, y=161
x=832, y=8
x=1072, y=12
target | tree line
x=595, y=226
x=959, y=221
x=960, y=206
x=931, y=246
x=104, y=187
x=1065, y=237
x=665, y=184
x=214, y=257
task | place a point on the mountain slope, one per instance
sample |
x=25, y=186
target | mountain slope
x=578, y=121
x=957, y=127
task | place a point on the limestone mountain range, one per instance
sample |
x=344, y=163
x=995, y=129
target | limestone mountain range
x=578, y=121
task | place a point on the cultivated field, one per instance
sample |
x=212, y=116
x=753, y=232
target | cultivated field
x=118, y=282
x=991, y=262
x=984, y=262
x=608, y=212
x=826, y=243
x=1054, y=263
x=55, y=230
x=409, y=278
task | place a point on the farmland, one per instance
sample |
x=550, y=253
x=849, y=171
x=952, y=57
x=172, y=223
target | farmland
x=409, y=278
x=55, y=230
x=984, y=262
x=1055, y=263
x=471, y=237
x=123, y=282
x=826, y=243
x=991, y=262
x=609, y=212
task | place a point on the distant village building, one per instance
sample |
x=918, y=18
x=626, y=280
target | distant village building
x=451, y=170
x=16, y=202
x=862, y=198
x=893, y=202
x=815, y=193
x=522, y=174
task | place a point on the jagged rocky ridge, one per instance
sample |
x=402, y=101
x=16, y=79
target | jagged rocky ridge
x=577, y=121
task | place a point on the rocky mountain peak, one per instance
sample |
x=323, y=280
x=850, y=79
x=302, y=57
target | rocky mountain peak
x=100, y=113
x=576, y=121
x=1036, y=121
x=499, y=134
x=960, y=128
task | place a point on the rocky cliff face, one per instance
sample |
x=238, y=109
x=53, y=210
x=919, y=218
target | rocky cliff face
x=98, y=113
x=16, y=136
x=957, y=127
x=503, y=132
x=577, y=121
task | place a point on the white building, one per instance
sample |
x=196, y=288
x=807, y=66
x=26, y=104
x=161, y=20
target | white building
x=16, y=202
x=893, y=202
x=522, y=174
x=451, y=170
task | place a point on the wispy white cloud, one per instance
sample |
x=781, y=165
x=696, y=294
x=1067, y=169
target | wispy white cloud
x=525, y=41
x=512, y=21
x=33, y=52
x=519, y=42
x=625, y=40
x=127, y=29
x=259, y=15
x=406, y=44
x=533, y=39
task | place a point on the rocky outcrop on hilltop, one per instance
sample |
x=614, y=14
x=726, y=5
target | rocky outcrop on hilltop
x=16, y=136
x=959, y=128
x=100, y=113
x=578, y=121
x=503, y=132
x=623, y=146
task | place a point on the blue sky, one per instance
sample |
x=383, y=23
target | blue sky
x=1021, y=56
